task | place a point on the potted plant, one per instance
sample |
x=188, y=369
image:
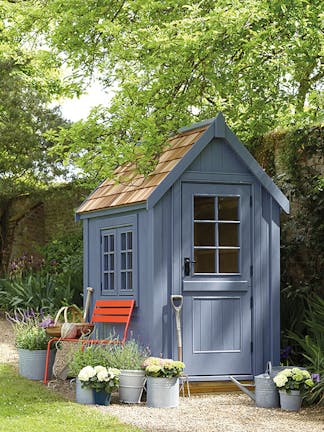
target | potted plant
x=102, y=381
x=31, y=341
x=129, y=359
x=162, y=382
x=92, y=355
x=292, y=382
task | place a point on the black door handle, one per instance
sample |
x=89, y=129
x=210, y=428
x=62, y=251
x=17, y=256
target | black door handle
x=187, y=263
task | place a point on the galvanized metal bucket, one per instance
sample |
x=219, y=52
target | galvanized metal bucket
x=131, y=385
x=162, y=392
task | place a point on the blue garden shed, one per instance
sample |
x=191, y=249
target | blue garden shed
x=204, y=224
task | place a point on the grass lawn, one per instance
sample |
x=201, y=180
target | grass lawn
x=27, y=406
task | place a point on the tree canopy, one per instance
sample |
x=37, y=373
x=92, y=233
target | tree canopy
x=174, y=62
x=28, y=80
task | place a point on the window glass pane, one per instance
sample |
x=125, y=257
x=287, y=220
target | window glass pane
x=228, y=208
x=123, y=261
x=111, y=262
x=130, y=280
x=105, y=243
x=123, y=281
x=111, y=243
x=123, y=241
x=106, y=262
x=228, y=261
x=129, y=260
x=204, y=208
x=205, y=260
x=129, y=240
x=106, y=283
x=111, y=281
x=228, y=234
x=204, y=234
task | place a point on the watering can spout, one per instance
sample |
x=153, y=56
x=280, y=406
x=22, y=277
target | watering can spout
x=243, y=388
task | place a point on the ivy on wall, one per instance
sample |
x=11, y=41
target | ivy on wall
x=295, y=159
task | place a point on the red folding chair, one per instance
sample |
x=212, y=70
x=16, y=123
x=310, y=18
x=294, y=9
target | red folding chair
x=105, y=311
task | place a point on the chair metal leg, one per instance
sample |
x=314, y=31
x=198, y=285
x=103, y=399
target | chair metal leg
x=48, y=352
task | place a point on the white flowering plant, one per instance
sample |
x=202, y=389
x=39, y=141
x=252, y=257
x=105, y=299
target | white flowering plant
x=293, y=379
x=162, y=368
x=99, y=378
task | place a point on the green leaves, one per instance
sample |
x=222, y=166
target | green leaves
x=178, y=62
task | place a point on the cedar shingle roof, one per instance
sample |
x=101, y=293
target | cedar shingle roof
x=128, y=187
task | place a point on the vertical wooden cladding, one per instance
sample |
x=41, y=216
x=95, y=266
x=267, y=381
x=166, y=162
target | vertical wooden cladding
x=270, y=278
x=162, y=273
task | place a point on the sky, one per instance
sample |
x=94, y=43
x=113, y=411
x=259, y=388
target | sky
x=78, y=108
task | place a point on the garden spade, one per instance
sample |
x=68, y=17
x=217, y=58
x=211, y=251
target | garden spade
x=87, y=303
x=177, y=301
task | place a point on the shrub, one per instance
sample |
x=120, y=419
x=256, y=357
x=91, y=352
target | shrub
x=129, y=356
x=36, y=290
x=29, y=333
x=92, y=355
x=312, y=346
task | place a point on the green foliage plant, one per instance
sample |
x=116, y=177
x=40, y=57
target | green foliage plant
x=36, y=290
x=312, y=347
x=293, y=379
x=129, y=356
x=180, y=61
x=92, y=355
x=29, y=334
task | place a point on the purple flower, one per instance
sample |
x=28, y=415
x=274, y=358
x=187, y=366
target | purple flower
x=285, y=352
x=47, y=322
x=316, y=377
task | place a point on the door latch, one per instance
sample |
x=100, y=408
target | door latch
x=187, y=265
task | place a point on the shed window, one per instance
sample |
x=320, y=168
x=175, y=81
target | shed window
x=117, y=245
x=216, y=234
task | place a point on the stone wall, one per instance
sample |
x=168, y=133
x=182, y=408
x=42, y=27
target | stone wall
x=30, y=221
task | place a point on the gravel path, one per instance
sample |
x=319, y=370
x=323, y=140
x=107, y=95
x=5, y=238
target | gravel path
x=230, y=412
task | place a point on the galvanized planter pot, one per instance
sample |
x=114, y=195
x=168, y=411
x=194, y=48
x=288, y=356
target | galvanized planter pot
x=162, y=392
x=131, y=385
x=290, y=401
x=32, y=363
x=84, y=395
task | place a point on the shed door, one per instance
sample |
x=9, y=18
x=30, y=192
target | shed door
x=216, y=257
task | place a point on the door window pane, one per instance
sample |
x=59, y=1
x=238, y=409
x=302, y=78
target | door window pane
x=204, y=234
x=216, y=226
x=204, y=208
x=205, y=260
x=228, y=234
x=228, y=261
x=228, y=208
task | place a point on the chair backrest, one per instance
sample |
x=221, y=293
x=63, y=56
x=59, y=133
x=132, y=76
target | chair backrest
x=114, y=312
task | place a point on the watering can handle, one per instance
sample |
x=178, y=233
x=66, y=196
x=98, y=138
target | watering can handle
x=268, y=368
